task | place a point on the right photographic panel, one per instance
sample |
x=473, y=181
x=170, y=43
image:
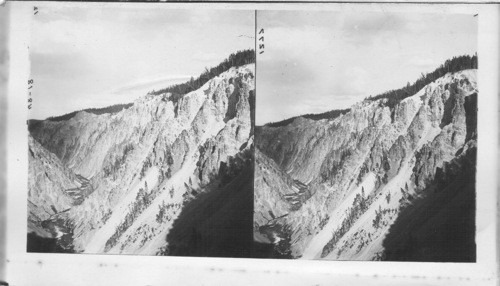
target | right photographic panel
x=366, y=135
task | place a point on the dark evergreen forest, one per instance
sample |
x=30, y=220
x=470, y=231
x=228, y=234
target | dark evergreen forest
x=393, y=97
x=234, y=60
x=237, y=59
x=454, y=65
x=108, y=109
x=325, y=115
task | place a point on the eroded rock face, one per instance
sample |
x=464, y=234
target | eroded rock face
x=364, y=166
x=274, y=187
x=146, y=161
x=47, y=190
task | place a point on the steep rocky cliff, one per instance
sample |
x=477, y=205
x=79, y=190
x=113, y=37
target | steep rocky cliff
x=50, y=189
x=358, y=171
x=136, y=169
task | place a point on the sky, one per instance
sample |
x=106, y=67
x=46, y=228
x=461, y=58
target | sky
x=96, y=57
x=316, y=61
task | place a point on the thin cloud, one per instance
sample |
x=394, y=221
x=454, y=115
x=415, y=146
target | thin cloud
x=422, y=62
x=91, y=53
x=147, y=83
x=345, y=57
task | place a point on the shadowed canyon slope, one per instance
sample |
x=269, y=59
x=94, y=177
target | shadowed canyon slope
x=116, y=182
x=368, y=183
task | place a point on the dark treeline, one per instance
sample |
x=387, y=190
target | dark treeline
x=109, y=109
x=395, y=96
x=454, y=65
x=325, y=115
x=234, y=60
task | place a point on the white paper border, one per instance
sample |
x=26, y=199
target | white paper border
x=71, y=269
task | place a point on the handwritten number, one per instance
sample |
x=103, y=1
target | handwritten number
x=30, y=86
x=261, y=41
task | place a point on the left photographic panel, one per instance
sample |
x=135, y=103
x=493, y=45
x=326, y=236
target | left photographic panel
x=141, y=131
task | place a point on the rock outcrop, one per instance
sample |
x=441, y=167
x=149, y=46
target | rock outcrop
x=364, y=167
x=49, y=187
x=143, y=164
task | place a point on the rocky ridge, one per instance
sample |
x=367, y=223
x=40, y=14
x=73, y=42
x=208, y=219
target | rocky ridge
x=146, y=161
x=364, y=167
